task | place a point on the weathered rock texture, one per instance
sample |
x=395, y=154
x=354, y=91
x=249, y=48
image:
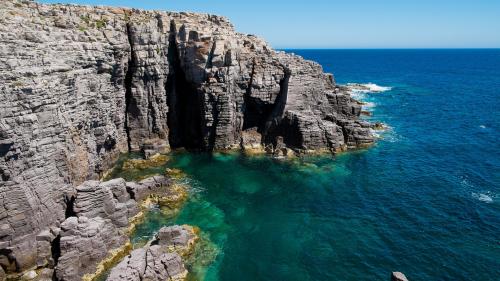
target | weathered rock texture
x=100, y=214
x=84, y=243
x=161, y=259
x=79, y=85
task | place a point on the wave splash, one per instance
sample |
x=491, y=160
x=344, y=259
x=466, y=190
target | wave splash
x=359, y=92
x=367, y=88
x=483, y=197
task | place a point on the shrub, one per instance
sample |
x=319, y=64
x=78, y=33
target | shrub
x=101, y=23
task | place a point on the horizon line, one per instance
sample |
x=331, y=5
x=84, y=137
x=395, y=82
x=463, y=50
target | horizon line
x=387, y=48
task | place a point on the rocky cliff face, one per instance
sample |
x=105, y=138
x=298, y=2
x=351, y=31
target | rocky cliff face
x=80, y=85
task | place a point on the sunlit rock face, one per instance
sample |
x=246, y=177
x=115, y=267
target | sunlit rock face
x=80, y=85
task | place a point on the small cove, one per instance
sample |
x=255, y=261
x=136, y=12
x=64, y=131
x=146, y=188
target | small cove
x=424, y=200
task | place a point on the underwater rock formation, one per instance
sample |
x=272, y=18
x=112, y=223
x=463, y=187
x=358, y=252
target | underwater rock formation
x=79, y=85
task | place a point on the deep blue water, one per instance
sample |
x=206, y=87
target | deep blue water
x=425, y=200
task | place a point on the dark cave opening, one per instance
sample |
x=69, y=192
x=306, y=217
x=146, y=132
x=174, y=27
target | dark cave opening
x=256, y=113
x=267, y=117
x=4, y=176
x=70, y=205
x=184, y=116
x=55, y=248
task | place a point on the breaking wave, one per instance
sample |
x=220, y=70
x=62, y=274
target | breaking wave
x=483, y=197
x=367, y=88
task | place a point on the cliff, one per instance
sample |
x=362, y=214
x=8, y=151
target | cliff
x=80, y=85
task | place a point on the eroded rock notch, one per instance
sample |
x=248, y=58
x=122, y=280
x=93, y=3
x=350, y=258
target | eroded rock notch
x=79, y=85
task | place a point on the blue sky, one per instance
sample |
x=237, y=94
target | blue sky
x=348, y=23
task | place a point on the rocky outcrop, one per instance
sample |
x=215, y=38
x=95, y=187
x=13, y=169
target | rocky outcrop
x=101, y=212
x=161, y=259
x=116, y=199
x=84, y=243
x=80, y=85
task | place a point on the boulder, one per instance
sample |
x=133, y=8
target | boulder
x=79, y=85
x=84, y=243
x=160, y=259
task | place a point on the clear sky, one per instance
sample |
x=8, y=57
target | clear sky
x=348, y=23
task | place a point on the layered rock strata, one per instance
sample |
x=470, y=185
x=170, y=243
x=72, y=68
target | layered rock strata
x=96, y=228
x=80, y=85
x=99, y=221
x=160, y=259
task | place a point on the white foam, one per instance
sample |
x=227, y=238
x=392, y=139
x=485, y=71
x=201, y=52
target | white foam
x=486, y=198
x=368, y=104
x=356, y=88
x=358, y=95
x=376, y=88
x=375, y=133
x=482, y=127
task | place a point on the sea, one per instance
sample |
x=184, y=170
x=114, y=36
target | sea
x=425, y=200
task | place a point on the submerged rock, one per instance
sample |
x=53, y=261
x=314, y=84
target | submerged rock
x=79, y=85
x=156, y=160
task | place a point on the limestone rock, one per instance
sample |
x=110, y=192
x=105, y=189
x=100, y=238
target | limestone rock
x=163, y=265
x=131, y=268
x=84, y=243
x=155, y=184
x=102, y=212
x=79, y=85
x=160, y=259
x=180, y=239
x=109, y=200
x=150, y=263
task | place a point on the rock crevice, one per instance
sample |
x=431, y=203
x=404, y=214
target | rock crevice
x=128, y=87
x=79, y=85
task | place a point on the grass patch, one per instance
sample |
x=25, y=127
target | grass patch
x=86, y=19
x=101, y=23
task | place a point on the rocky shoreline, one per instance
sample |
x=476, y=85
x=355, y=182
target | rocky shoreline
x=81, y=85
x=160, y=259
x=96, y=233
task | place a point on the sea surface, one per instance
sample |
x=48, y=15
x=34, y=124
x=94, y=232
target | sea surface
x=425, y=200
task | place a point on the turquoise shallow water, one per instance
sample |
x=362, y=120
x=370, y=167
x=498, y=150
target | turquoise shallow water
x=425, y=200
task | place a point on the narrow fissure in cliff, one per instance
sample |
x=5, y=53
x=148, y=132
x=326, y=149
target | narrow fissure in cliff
x=152, y=112
x=55, y=248
x=272, y=126
x=184, y=116
x=70, y=207
x=128, y=85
